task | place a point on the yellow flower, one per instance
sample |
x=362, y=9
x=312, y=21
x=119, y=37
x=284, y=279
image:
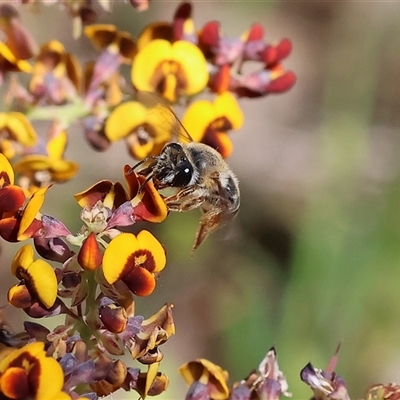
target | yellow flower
x=170, y=69
x=209, y=374
x=29, y=373
x=53, y=166
x=140, y=128
x=38, y=275
x=134, y=260
x=15, y=128
x=208, y=122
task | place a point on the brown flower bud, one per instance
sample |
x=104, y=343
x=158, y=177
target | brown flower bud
x=113, y=317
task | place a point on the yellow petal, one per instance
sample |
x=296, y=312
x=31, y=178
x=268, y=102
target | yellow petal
x=19, y=65
x=21, y=129
x=56, y=145
x=185, y=54
x=193, y=62
x=23, y=258
x=31, y=211
x=31, y=350
x=124, y=119
x=6, y=171
x=52, y=46
x=206, y=372
x=51, y=380
x=63, y=170
x=227, y=106
x=101, y=35
x=146, y=62
x=151, y=375
x=148, y=241
x=198, y=116
x=34, y=162
x=44, y=281
x=117, y=254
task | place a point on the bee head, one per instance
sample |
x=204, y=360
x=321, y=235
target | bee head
x=174, y=168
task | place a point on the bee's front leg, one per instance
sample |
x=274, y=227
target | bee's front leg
x=185, y=200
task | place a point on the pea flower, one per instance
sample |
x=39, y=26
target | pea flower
x=16, y=133
x=228, y=57
x=12, y=197
x=29, y=373
x=205, y=377
x=116, y=47
x=326, y=384
x=57, y=75
x=135, y=260
x=141, y=129
x=208, y=122
x=170, y=69
x=10, y=63
x=37, y=275
x=50, y=165
x=17, y=222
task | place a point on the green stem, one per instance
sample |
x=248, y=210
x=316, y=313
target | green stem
x=67, y=113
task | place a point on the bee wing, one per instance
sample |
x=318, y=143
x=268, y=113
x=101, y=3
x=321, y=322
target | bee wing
x=210, y=221
x=163, y=115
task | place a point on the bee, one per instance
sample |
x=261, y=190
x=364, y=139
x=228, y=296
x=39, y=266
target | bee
x=202, y=178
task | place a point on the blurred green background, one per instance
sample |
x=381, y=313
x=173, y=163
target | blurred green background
x=313, y=257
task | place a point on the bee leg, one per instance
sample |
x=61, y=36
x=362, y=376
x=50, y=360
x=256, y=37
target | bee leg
x=184, y=200
x=185, y=205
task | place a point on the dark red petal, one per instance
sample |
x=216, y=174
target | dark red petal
x=271, y=55
x=209, y=38
x=9, y=228
x=281, y=84
x=152, y=207
x=140, y=281
x=14, y=383
x=11, y=198
x=182, y=13
x=256, y=32
x=220, y=81
x=54, y=249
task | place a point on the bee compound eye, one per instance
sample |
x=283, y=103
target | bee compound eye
x=183, y=175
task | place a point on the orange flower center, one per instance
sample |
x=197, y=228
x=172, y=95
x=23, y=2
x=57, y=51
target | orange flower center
x=169, y=79
x=143, y=259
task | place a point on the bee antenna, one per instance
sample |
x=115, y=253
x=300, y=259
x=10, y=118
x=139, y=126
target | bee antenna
x=145, y=160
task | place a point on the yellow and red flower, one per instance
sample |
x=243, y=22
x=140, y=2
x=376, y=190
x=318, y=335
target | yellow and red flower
x=208, y=122
x=15, y=131
x=37, y=276
x=170, y=69
x=147, y=204
x=29, y=373
x=139, y=126
x=135, y=260
x=57, y=75
x=117, y=47
x=9, y=62
x=107, y=205
x=211, y=376
x=17, y=223
x=41, y=169
x=12, y=197
x=105, y=35
x=181, y=28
